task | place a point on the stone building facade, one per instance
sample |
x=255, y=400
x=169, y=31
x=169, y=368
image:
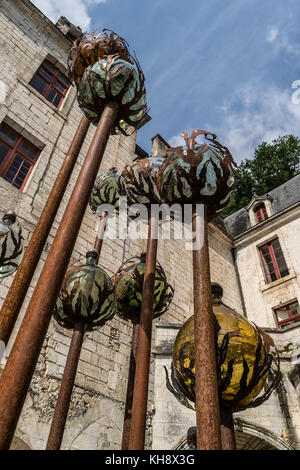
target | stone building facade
x=95, y=421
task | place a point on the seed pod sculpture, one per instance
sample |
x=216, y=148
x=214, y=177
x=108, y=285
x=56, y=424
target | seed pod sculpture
x=106, y=190
x=10, y=245
x=87, y=50
x=198, y=173
x=128, y=283
x=87, y=296
x=139, y=181
x=245, y=354
x=105, y=72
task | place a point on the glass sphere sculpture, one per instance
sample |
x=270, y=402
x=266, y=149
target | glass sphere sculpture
x=245, y=354
x=11, y=246
x=198, y=173
x=105, y=190
x=128, y=283
x=87, y=295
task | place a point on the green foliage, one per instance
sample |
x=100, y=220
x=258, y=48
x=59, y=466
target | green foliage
x=272, y=165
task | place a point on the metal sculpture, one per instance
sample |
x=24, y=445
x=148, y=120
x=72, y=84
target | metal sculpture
x=201, y=174
x=106, y=190
x=138, y=184
x=139, y=181
x=20, y=365
x=245, y=355
x=11, y=246
x=128, y=283
x=86, y=302
x=198, y=173
x=104, y=72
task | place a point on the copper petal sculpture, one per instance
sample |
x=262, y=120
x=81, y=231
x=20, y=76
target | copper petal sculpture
x=10, y=245
x=90, y=48
x=139, y=181
x=128, y=283
x=198, y=173
x=105, y=190
x=105, y=72
x=87, y=296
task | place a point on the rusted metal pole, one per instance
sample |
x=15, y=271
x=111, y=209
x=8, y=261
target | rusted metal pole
x=65, y=391
x=67, y=383
x=17, y=292
x=100, y=233
x=227, y=428
x=130, y=384
x=16, y=377
x=140, y=393
x=207, y=402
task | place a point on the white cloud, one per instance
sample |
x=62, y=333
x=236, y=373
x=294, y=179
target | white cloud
x=272, y=34
x=75, y=11
x=271, y=114
x=283, y=40
x=256, y=113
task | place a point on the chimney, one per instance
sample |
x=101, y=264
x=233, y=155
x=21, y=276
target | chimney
x=159, y=146
x=71, y=31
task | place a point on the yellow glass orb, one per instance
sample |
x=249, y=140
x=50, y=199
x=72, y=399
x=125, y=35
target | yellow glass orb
x=244, y=358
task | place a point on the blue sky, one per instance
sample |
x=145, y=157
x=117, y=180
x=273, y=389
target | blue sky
x=226, y=66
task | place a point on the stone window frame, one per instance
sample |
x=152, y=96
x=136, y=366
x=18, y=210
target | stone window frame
x=291, y=319
x=279, y=277
x=68, y=100
x=54, y=80
x=256, y=201
x=34, y=141
x=15, y=151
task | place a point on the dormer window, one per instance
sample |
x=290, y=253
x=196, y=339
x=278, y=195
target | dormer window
x=260, y=212
x=259, y=208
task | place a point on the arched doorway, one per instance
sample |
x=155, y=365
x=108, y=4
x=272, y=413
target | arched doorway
x=250, y=437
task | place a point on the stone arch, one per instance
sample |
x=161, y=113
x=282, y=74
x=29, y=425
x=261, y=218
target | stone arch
x=19, y=444
x=250, y=437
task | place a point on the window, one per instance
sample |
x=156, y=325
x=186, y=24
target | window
x=51, y=83
x=260, y=213
x=273, y=261
x=17, y=156
x=288, y=314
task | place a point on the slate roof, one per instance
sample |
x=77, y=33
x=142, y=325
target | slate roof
x=284, y=196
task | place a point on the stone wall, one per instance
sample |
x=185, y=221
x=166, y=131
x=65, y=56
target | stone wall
x=96, y=413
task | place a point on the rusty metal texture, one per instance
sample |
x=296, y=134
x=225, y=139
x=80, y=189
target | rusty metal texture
x=17, y=292
x=100, y=233
x=198, y=173
x=140, y=393
x=206, y=387
x=63, y=401
x=227, y=429
x=130, y=384
x=89, y=48
x=16, y=377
